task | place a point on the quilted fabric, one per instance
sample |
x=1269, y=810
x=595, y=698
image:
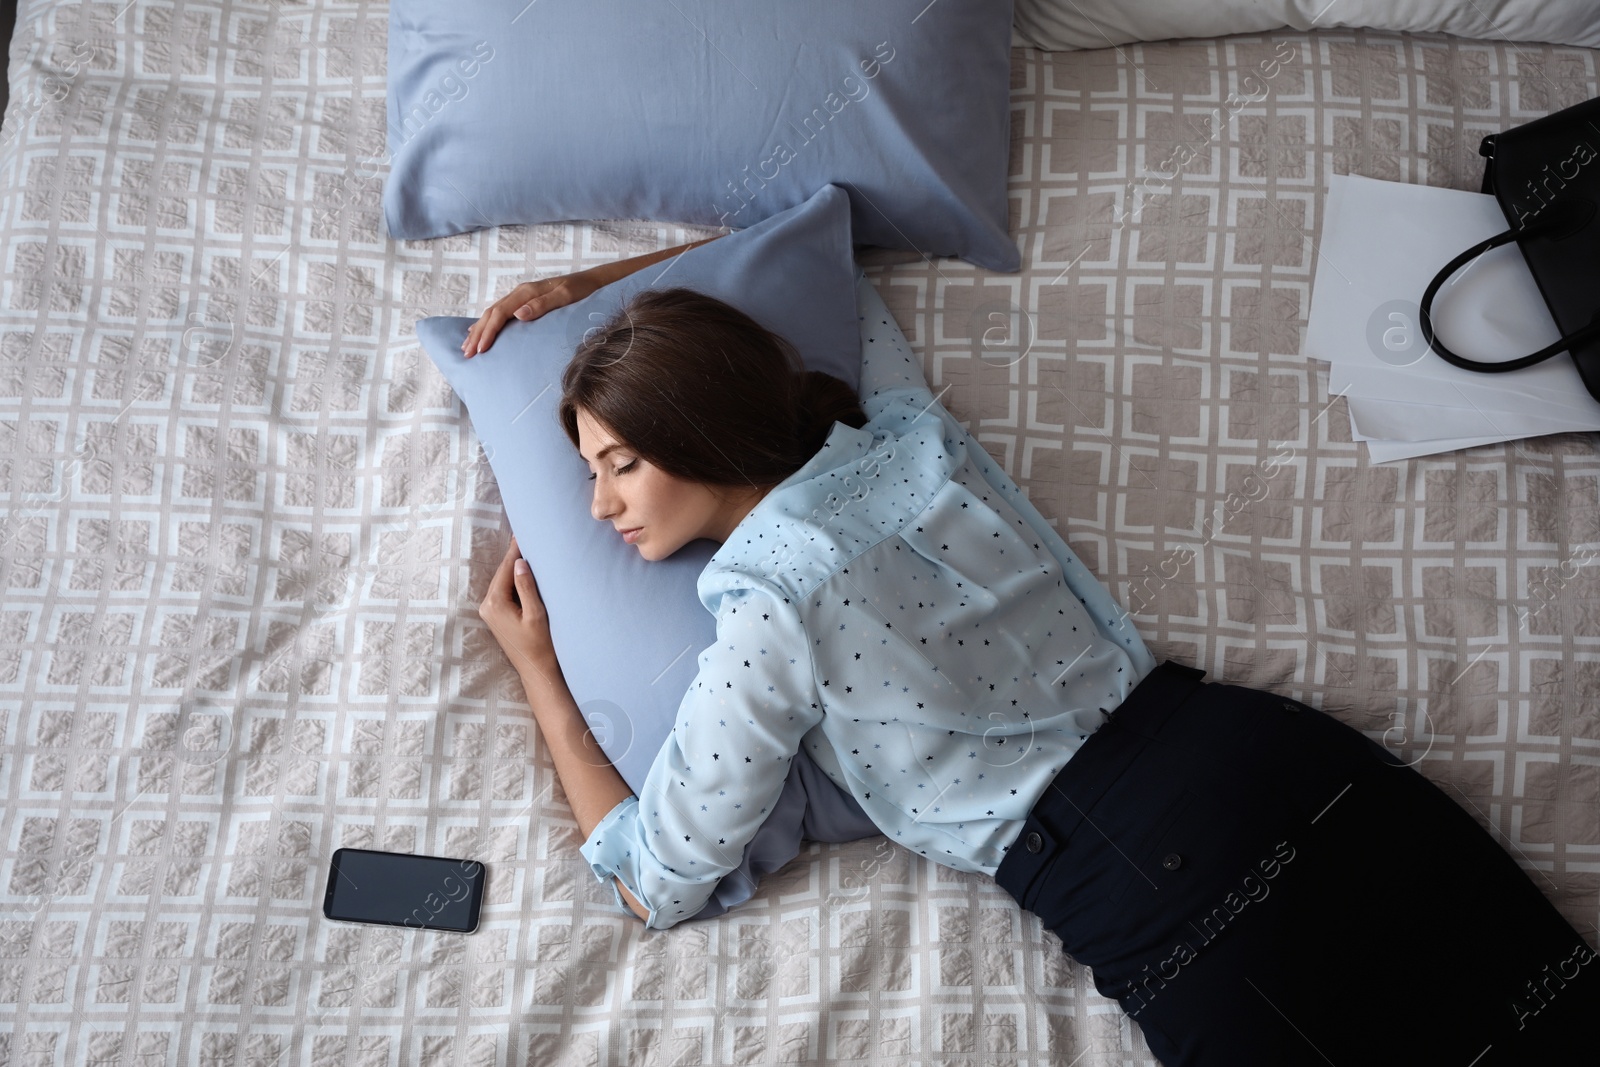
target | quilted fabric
x=245, y=528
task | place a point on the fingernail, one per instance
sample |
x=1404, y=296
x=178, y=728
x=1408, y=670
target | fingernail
x=521, y=567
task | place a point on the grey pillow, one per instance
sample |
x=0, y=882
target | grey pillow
x=713, y=112
x=629, y=632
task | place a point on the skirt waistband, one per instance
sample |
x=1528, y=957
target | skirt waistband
x=1092, y=769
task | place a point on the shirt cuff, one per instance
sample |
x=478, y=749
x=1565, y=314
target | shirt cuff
x=622, y=905
x=607, y=850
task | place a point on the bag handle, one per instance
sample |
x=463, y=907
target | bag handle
x=1569, y=217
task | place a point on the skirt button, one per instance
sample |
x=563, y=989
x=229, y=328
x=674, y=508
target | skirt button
x=1172, y=861
x=1035, y=842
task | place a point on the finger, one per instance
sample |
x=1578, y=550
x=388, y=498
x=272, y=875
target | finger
x=476, y=335
x=507, y=304
x=481, y=335
x=534, y=307
x=501, y=584
x=523, y=575
x=491, y=327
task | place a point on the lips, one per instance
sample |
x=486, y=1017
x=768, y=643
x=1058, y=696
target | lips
x=630, y=536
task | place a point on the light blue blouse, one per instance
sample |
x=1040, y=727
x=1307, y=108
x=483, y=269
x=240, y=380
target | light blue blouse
x=899, y=608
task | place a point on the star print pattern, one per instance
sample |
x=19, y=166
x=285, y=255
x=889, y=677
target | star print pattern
x=899, y=610
x=722, y=766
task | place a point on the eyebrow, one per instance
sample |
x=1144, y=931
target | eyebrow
x=598, y=456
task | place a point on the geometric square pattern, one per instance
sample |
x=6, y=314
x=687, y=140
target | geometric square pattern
x=244, y=526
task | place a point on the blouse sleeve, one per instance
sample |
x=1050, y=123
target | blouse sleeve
x=722, y=767
x=894, y=391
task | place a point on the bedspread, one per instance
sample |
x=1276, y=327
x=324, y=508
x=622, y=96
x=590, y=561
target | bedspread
x=246, y=526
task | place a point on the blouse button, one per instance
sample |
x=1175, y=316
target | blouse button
x=1035, y=842
x=1172, y=861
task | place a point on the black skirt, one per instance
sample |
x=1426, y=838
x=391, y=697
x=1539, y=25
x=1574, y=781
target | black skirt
x=1257, y=883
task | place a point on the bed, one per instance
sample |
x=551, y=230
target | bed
x=246, y=527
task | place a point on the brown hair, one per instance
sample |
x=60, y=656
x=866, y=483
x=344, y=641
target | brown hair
x=703, y=391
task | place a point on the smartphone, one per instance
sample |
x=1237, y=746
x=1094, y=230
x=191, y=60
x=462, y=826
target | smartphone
x=400, y=889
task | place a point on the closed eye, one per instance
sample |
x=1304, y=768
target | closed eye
x=620, y=470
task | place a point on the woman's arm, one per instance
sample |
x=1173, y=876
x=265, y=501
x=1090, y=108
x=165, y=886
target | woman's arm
x=721, y=769
x=610, y=272
x=516, y=616
x=689, y=827
x=591, y=783
x=531, y=299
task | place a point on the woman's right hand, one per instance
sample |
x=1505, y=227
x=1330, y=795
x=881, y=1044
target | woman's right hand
x=531, y=299
x=527, y=302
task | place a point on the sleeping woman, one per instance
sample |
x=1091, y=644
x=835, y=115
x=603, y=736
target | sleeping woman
x=1253, y=881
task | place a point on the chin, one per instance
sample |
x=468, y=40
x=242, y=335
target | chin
x=653, y=553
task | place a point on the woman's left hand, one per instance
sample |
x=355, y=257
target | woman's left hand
x=515, y=613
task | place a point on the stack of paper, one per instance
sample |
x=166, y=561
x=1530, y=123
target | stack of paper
x=1381, y=244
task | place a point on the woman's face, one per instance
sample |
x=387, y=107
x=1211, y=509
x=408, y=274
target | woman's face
x=630, y=492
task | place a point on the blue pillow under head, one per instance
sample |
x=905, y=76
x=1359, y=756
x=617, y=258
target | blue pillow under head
x=628, y=632
x=711, y=112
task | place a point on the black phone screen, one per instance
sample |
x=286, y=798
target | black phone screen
x=399, y=889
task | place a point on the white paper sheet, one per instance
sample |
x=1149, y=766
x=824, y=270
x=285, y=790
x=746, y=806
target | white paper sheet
x=1380, y=246
x=1395, y=451
x=1393, y=420
x=1497, y=393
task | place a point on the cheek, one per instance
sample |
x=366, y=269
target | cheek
x=638, y=499
x=657, y=495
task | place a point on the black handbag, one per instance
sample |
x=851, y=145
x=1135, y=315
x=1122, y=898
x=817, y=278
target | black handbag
x=1546, y=177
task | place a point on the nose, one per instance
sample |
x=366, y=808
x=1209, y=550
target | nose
x=604, y=503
